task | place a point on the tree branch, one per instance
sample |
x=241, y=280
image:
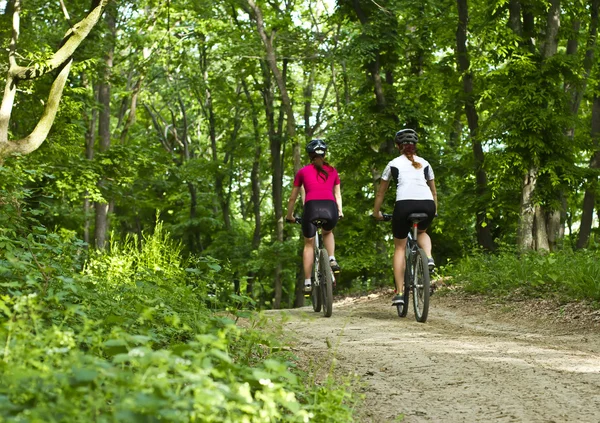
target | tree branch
x=61, y=60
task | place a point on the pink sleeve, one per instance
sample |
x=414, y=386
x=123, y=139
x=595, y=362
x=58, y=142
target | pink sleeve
x=298, y=179
x=337, y=178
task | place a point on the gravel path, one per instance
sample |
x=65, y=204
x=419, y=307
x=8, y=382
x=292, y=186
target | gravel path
x=469, y=363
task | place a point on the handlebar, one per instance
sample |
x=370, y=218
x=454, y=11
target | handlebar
x=296, y=220
x=386, y=217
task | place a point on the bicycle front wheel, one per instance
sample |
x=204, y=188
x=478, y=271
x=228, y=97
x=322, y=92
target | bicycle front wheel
x=420, y=286
x=315, y=297
x=403, y=308
x=326, y=283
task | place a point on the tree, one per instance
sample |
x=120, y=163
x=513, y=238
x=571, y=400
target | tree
x=484, y=235
x=60, y=61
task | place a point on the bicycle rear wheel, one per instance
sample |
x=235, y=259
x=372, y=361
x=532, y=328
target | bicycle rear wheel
x=421, y=286
x=326, y=283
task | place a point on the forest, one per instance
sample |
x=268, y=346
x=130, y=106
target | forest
x=148, y=149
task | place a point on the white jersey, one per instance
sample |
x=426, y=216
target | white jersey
x=411, y=182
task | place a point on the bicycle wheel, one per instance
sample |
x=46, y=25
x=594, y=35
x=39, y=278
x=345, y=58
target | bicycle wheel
x=420, y=287
x=315, y=293
x=403, y=309
x=326, y=283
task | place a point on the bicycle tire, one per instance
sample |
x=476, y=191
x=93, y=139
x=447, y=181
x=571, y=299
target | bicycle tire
x=315, y=297
x=315, y=293
x=326, y=283
x=420, y=287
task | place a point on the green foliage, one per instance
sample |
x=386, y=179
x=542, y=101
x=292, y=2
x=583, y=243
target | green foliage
x=566, y=275
x=129, y=335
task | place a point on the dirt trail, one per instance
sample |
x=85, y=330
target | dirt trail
x=468, y=363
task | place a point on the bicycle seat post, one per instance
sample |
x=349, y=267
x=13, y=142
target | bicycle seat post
x=415, y=218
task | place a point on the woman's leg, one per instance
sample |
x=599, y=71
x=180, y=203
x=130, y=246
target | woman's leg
x=308, y=256
x=424, y=242
x=329, y=242
x=399, y=263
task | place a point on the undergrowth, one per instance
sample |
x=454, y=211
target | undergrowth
x=564, y=275
x=138, y=334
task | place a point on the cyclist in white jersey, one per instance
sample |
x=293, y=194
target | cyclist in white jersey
x=415, y=193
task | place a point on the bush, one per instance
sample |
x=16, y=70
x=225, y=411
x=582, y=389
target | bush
x=564, y=274
x=136, y=334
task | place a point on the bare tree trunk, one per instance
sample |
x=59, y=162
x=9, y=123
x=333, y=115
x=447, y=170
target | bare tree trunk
x=525, y=239
x=255, y=173
x=374, y=67
x=346, y=84
x=533, y=226
x=272, y=62
x=550, y=45
x=132, y=110
x=589, y=199
x=102, y=223
x=541, y=234
x=484, y=234
x=514, y=20
x=556, y=218
x=275, y=141
x=90, y=141
x=255, y=183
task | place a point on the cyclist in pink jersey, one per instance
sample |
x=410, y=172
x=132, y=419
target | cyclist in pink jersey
x=322, y=200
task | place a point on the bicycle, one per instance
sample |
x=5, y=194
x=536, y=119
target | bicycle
x=322, y=275
x=416, y=272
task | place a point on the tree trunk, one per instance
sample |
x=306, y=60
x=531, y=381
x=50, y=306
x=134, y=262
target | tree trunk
x=255, y=172
x=533, y=226
x=275, y=141
x=484, y=234
x=525, y=239
x=557, y=218
x=514, y=20
x=90, y=141
x=194, y=244
x=255, y=183
x=102, y=222
x=550, y=45
x=374, y=67
x=589, y=199
x=540, y=232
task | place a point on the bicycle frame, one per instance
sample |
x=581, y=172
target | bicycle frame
x=317, y=262
x=412, y=248
x=322, y=276
x=416, y=272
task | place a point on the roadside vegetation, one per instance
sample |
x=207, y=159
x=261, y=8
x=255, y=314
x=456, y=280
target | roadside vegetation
x=565, y=276
x=147, y=150
x=139, y=333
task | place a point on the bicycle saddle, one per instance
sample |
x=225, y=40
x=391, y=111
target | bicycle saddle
x=417, y=217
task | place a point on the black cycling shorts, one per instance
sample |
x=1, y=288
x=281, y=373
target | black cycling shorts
x=319, y=209
x=400, y=224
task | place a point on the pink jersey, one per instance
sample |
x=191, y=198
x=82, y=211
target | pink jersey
x=315, y=186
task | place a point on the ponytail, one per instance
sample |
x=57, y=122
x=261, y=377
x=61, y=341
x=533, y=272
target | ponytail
x=409, y=151
x=318, y=162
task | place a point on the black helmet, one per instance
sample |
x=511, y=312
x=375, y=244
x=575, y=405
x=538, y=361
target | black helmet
x=406, y=136
x=316, y=146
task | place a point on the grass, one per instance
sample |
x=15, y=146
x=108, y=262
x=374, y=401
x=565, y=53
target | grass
x=565, y=275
